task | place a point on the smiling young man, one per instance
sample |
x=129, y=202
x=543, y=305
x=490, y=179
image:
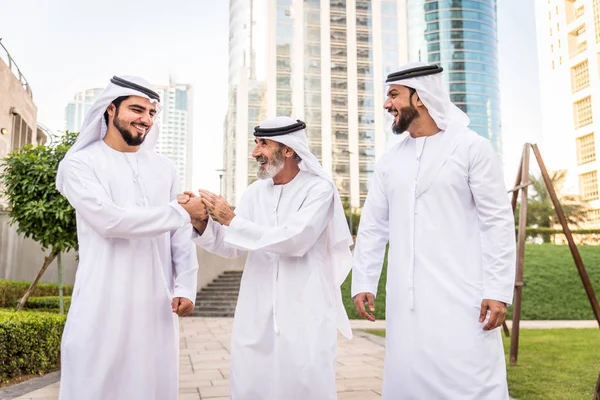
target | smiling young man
x=292, y=227
x=137, y=263
x=439, y=198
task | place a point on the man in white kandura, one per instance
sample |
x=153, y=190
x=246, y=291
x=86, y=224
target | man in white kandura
x=292, y=227
x=137, y=263
x=439, y=198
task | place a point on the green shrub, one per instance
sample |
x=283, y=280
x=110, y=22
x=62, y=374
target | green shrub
x=12, y=291
x=50, y=303
x=29, y=343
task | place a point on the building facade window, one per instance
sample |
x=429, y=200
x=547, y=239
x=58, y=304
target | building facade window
x=582, y=110
x=22, y=134
x=586, y=149
x=588, y=185
x=597, y=19
x=580, y=76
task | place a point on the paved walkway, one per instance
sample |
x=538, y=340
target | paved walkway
x=204, y=360
x=204, y=364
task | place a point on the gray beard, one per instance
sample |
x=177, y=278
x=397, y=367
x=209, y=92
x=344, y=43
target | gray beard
x=272, y=168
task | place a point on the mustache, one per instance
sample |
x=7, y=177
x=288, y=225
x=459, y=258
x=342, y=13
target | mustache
x=262, y=159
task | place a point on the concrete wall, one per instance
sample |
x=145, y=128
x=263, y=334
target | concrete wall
x=13, y=97
x=21, y=259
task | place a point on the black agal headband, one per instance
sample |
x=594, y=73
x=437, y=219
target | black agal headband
x=282, y=130
x=414, y=72
x=130, y=85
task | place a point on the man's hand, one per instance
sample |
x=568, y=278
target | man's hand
x=182, y=306
x=217, y=207
x=194, y=206
x=359, y=302
x=497, y=313
x=185, y=197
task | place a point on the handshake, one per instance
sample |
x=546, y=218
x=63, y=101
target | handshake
x=203, y=205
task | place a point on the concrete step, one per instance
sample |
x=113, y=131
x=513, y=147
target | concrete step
x=224, y=284
x=222, y=308
x=220, y=289
x=212, y=314
x=219, y=297
x=206, y=302
x=219, y=293
x=228, y=280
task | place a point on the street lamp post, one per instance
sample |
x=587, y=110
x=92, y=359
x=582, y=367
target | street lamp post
x=220, y=172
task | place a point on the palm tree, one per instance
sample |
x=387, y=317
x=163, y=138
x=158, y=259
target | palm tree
x=540, y=211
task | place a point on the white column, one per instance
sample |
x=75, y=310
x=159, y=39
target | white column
x=241, y=136
x=378, y=78
x=189, y=156
x=326, y=140
x=297, y=60
x=271, y=54
x=352, y=102
x=402, y=32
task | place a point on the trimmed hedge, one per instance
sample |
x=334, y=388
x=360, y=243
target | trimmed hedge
x=12, y=291
x=29, y=343
x=50, y=303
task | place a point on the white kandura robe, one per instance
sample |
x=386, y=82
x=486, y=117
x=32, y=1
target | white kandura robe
x=442, y=203
x=135, y=253
x=284, y=338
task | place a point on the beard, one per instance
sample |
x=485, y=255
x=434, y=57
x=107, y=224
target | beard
x=272, y=166
x=407, y=116
x=129, y=138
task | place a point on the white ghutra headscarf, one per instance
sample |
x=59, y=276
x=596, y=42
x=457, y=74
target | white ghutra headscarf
x=427, y=80
x=94, y=126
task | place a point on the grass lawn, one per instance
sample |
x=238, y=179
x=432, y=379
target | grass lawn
x=553, y=364
x=553, y=289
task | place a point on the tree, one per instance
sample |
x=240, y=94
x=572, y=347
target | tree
x=39, y=210
x=540, y=211
x=356, y=212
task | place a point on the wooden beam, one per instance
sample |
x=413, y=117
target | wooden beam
x=585, y=279
x=513, y=203
x=516, y=320
x=517, y=188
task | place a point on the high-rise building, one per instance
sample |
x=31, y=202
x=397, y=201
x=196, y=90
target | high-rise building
x=78, y=107
x=461, y=36
x=176, y=139
x=321, y=61
x=175, y=120
x=569, y=57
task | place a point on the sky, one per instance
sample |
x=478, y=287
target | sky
x=65, y=46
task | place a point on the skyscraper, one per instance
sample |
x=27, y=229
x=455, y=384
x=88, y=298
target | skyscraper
x=323, y=62
x=176, y=139
x=569, y=56
x=461, y=36
x=78, y=107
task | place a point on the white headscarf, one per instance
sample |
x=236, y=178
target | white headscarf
x=338, y=232
x=434, y=95
x=94, y=127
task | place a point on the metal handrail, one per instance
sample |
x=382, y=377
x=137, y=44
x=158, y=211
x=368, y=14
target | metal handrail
x=12, y=66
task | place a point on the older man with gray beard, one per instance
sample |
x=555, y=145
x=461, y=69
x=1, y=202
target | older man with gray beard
x=291, y=225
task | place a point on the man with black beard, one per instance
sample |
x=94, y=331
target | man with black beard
x=291, y=225
x=438, y=198
x=137, y=263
